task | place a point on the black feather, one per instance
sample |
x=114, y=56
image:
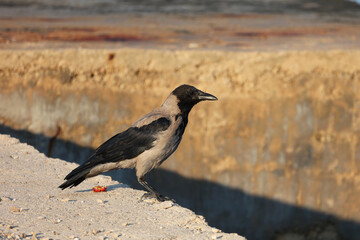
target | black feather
x=132, y=142
x=125, y=145
x=181, y=128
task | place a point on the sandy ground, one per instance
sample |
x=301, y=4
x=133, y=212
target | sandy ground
x=32, y=207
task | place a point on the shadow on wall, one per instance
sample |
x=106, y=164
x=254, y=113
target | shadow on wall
x=229, y=209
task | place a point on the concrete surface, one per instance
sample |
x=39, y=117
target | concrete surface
x=32, y=207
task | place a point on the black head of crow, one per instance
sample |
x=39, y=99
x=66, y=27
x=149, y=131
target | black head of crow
x=146, y=143
x=188, y=96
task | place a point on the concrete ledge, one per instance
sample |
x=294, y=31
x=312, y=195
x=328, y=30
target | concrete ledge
x=32, y=207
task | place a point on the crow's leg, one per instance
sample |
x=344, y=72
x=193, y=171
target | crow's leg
x=152, y=192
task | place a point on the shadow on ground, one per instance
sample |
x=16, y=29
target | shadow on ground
x=229, y=209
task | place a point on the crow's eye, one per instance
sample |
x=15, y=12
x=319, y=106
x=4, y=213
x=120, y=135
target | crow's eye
x=191, y=91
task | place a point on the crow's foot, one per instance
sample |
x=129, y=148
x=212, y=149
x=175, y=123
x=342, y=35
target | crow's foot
x=158, y=197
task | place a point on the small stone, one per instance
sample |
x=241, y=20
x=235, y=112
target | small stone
x=215, y=230
x=10, y=235
x=5, y=199
x=94, y=231
x=22, y=235
x=34, y=236
x=216, y=236
x=149, y=200
x=14, y=156
x=65, y=200
x=10, y=226
x=99, y=201
x=14, y=209
x=76, y=238
x=40, y=217
x=49, y=196
x=58, y=221
x=24, y=209
x=116, y=235
x=166, y=205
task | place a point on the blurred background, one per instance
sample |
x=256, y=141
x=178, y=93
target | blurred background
x=277, y=157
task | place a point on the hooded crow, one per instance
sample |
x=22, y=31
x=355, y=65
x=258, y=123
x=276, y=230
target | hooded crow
x=145, y=144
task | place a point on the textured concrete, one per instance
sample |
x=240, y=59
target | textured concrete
x=33, y=208
x=285, y=128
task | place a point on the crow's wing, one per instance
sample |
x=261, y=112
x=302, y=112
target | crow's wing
x=130, y=143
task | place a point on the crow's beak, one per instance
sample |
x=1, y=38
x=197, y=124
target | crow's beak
x=206, y=96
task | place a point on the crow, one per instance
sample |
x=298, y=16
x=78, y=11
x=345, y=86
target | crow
x=145, y=144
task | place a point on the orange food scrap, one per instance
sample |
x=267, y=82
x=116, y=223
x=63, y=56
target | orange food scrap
x=99, y=189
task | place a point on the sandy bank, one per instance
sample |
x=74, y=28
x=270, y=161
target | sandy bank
x=32, y=207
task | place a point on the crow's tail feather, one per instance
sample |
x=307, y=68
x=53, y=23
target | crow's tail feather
x=75, y=177
x=71, y=183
